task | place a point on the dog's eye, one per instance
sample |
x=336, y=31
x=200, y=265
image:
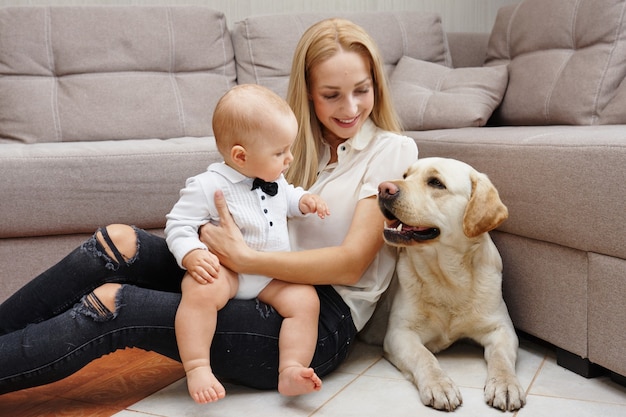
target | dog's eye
x=435, y=183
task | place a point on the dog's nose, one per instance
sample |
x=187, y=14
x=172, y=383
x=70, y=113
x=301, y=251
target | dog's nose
x=387, y=190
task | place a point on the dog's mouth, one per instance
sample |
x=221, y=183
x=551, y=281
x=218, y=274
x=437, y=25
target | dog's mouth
x=401, y=233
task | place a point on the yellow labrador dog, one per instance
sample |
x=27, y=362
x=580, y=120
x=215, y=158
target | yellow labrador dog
x=449, y=280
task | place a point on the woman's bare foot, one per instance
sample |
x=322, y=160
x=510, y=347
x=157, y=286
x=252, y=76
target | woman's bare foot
x=203, y=385
x=298, y=380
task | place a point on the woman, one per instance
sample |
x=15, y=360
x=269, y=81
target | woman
x=344, y=149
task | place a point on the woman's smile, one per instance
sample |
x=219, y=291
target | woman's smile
x=347, y=123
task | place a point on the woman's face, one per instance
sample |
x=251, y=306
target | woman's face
x=342, y=92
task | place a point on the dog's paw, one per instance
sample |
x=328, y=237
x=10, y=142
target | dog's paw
x=505, y=393
x=441, y=394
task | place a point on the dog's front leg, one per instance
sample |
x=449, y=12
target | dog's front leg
x=405, y=350
x=502, y=389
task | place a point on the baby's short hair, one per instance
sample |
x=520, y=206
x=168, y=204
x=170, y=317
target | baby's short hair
x=243, y=110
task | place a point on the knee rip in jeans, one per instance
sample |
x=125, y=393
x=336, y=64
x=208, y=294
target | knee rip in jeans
x=98, y=306
x=265, y=310
x=95, y=247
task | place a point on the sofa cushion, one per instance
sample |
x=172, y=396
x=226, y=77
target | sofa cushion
x=106, y=73
x=432, y=96
x=566, y=61
x=264, y=45
x=468, y=49
x=615, y=111
x=67, y=188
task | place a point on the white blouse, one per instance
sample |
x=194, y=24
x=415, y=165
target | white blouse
x=364, y=161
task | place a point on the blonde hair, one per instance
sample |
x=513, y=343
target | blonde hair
x=243, y=112
x=320, y=42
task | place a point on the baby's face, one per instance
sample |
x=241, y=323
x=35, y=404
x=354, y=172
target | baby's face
x=270, y=153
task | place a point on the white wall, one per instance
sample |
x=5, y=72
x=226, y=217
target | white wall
x=457, y=15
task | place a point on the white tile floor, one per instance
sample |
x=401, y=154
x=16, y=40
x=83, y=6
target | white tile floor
x=368, y=385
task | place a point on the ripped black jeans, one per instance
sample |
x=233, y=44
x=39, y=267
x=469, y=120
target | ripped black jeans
x=54, y=326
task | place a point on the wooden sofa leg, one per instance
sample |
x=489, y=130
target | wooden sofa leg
x=581, y=366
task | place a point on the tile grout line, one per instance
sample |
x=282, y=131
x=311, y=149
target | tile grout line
x=357, y=376
x=143, y=413
x=532, y=381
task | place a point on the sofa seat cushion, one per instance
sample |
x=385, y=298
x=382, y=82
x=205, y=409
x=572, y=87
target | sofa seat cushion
x=66, y=188
x=562, y=184
x=104, y=73
x=566, y=61
x=264, y=45
x=432, y=96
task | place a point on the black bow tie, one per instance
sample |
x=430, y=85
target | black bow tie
x=269, y=188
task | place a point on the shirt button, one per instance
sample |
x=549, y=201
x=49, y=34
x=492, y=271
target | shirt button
x=262, y=197
x=264, y=210
x=343, y=148
x=271, y=224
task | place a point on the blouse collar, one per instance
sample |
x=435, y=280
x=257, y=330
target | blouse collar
x=358, y=142
x=364, y=136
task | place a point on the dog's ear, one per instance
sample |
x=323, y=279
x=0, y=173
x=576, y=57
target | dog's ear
x=485, y=211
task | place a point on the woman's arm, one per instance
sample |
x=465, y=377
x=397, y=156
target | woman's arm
x=343, y=264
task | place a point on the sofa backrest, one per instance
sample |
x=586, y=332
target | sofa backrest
x=264, y=45
x=96, y=73
x=567, y=61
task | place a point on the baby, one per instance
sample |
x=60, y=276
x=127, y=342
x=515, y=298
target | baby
x=254, y=130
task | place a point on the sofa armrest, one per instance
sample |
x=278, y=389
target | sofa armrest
x=468, y=49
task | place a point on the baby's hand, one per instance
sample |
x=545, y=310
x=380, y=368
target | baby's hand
x=313, y=203
x=202, y=265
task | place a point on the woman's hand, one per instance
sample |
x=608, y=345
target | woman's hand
x=343, y=264
x=225, y=240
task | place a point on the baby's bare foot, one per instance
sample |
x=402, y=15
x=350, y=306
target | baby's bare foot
x=203, y=385
x=298, y=380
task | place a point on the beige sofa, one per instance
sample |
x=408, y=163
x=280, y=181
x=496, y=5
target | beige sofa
x=104, y=111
